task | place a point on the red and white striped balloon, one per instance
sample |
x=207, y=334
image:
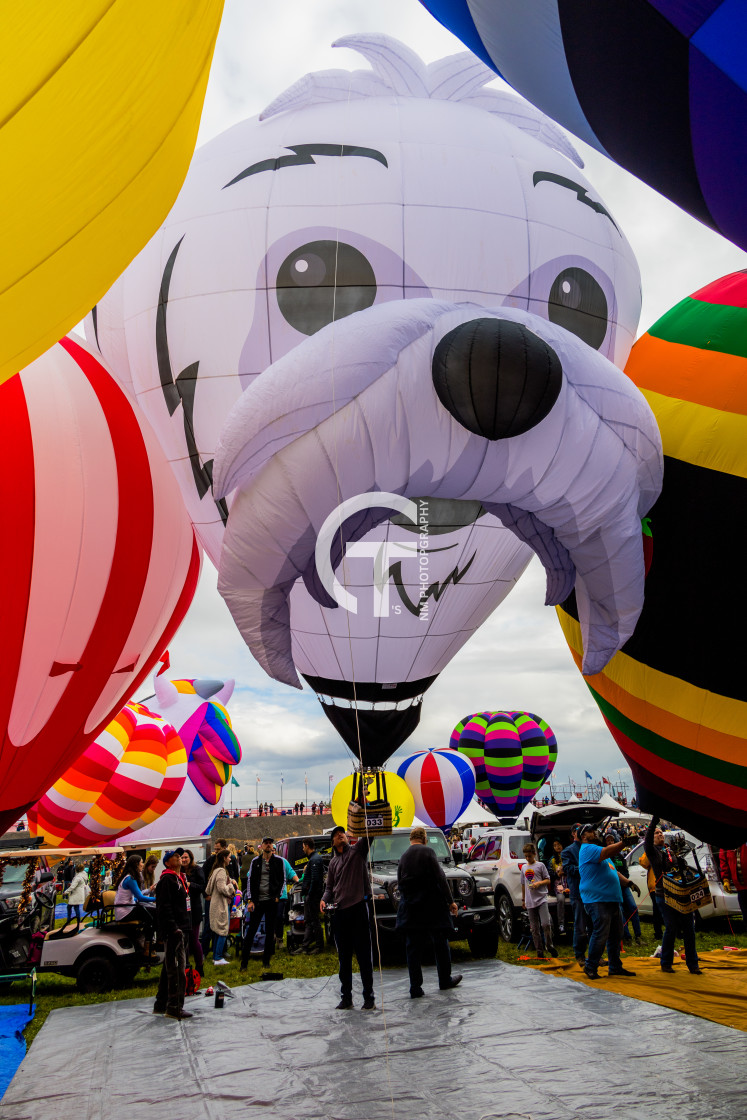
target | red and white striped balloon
x=442, y=783
x=99, y=564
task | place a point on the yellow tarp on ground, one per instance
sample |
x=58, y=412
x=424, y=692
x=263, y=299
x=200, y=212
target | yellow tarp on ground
x=720, y=994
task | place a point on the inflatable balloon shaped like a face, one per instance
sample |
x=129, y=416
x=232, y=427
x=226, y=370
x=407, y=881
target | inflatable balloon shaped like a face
x=317, y=259
x=351, y=190
x=196, y=708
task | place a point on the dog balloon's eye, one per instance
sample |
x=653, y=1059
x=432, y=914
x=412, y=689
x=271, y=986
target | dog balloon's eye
x=322, y=281
x=578, y=303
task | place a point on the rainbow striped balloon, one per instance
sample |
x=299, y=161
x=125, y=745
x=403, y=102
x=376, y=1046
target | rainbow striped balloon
x=675, y=696
x=513, y=754
x=212, y=748
x=131, y=774
x=442, y=783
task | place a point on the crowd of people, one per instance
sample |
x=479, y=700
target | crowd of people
x=190, y=907
x=268, y=809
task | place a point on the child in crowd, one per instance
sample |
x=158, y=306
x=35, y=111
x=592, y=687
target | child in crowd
x=535, y=880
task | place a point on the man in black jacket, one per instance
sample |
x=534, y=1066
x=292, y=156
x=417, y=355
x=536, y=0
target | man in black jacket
x=173, y=924
x=424, y=911
x=312, y=887
x=266, y=879
x=348, y=888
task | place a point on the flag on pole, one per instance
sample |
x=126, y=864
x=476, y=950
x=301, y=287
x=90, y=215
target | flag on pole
x=588, y=775
x=606, y=781
x=233, y=781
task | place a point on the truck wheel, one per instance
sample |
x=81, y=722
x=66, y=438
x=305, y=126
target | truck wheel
x=506, y=916
x=96, y=974
x=483, y=943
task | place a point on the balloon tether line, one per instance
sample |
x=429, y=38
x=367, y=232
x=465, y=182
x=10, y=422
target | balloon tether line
x=350, y=637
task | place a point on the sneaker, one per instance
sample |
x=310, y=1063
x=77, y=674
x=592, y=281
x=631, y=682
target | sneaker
x=551, y=952
x=696, y=971
x=591, y=973
x=369, y=1004
x=622, y=972
x=581, y=961
x=417, y=993
x=667, y=968
x=221, y=961
x=344, y=1004
x=180, y=1014
x=451, y=983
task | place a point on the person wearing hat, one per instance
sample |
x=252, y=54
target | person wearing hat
x=265, y=884
x=581, y=924
x=173, y=925
x=602, y=896
x=349, y=888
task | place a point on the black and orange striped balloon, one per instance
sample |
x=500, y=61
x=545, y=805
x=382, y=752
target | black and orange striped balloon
x=675, y=697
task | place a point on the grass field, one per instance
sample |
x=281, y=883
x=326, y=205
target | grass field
x=54, y=991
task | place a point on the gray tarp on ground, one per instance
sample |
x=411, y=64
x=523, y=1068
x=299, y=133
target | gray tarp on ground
x=508, y=1043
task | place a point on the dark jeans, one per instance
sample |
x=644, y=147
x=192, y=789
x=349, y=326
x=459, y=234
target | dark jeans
x=606, y=919
x=74, y=906
x=269, y=911
x=656, y=914
x=280, y=919
x=352, y=933
x=172, y=983
x=312, y=921
x=418, y=939
x=630, y=914
x=206, y=941
x=674, y=922
x=580, y=928
x=194, y=949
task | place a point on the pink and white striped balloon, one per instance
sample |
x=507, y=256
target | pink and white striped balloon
x=442, y=783
x=99, y=564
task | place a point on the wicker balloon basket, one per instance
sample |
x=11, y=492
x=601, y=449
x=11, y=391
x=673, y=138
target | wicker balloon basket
x=369, y=817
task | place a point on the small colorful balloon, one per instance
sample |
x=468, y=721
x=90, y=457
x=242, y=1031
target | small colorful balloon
x=442, y=783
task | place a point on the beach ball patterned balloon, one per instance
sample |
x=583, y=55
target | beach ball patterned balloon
x=442, y=783
x=131, y=774
x=513, y=754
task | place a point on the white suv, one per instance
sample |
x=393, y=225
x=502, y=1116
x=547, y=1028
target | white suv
x=499, y=855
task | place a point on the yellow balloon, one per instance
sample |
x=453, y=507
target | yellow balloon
x=100, y=103
x=398, y=796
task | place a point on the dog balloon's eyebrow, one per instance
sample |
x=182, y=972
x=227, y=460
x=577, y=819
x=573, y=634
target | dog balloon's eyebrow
x=581, y=192
x=304, y=153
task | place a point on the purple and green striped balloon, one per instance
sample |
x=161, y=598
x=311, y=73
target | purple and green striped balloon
x=513, y=754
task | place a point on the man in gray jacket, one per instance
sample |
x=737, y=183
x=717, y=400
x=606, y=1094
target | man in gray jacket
x=349, y=889
x=424, y=911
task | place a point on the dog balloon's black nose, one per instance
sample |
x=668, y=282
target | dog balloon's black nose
x=495, y=377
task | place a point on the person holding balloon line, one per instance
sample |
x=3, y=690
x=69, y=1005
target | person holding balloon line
x=346, y=893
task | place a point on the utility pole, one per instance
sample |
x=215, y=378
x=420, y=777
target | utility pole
x=281, y=790
x=256, y=792
x=306, y=785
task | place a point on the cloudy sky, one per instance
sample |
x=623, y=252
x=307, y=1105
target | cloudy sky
x=518, y=659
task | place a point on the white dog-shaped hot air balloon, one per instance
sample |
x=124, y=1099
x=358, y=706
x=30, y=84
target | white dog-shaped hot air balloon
x=404, y=307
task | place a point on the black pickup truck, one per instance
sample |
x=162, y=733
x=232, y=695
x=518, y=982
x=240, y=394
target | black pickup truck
x=475, y=922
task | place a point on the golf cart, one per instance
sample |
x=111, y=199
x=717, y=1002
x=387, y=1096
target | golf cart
x=99, y=953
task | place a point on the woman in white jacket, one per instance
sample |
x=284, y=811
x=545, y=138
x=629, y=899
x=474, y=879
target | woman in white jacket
x=220, y=890
x=76, y=892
